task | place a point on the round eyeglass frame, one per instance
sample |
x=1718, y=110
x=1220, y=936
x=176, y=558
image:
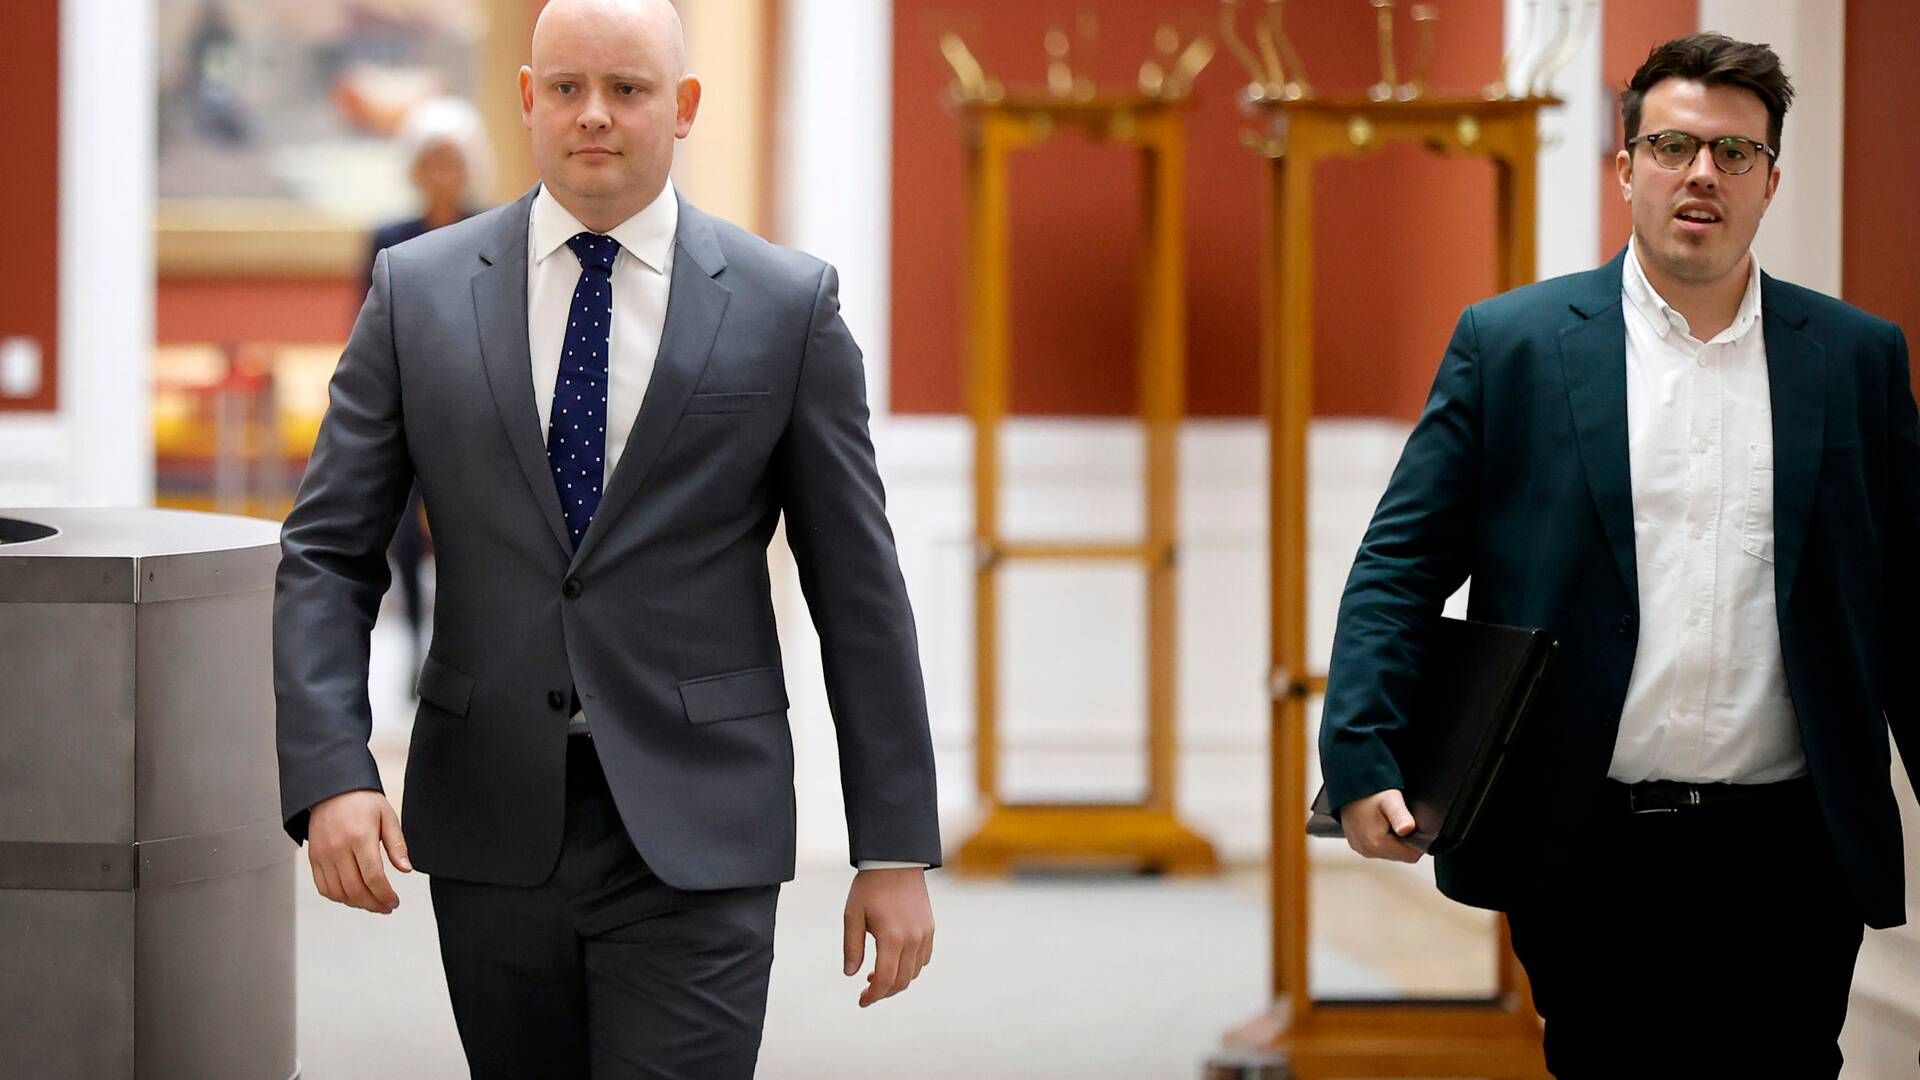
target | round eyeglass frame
x=1738, y=142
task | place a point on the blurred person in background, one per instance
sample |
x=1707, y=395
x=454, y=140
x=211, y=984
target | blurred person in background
x=600, y=780
x=451, y=169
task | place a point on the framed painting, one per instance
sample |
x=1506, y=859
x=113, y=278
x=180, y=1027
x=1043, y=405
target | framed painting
x=276, y=120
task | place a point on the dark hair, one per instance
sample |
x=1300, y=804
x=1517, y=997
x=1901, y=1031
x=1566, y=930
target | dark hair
x=1717, y=60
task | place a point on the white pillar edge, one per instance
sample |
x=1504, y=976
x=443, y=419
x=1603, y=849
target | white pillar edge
x=1575, y=138
x=1799, y=241
x=835, y=158
x=106, y=296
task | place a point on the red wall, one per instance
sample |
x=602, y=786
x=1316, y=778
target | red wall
x=192, y=310
x=1630, y=29
x=1404, y=234
x=30, y=186
x=1880, y=226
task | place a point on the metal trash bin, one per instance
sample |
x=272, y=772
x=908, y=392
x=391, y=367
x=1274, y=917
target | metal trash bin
x=146, y=885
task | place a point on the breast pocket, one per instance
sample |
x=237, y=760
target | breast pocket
x=722, y=404
x=1756, y=533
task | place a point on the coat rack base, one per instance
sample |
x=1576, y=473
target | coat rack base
x=1497, y=1038
x=1086, y=835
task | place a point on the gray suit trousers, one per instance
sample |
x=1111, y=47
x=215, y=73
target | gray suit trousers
x=603, y=970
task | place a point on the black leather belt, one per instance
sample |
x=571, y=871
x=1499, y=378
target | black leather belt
x=1673, y=796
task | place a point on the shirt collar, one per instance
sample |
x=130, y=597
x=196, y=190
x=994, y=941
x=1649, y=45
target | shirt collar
x=1661, y=315
x=647, y=235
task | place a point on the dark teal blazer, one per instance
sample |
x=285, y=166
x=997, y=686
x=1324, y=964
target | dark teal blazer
x=1516, y=476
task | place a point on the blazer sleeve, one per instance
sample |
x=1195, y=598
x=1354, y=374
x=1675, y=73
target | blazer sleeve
x=1417, y=551
x=837, y=527
x=333, y=570
x=1902, y=554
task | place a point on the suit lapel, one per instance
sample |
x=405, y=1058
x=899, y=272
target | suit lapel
x=1798, y=392
x=1593, y=356
x=500, y=305
x=696, y=303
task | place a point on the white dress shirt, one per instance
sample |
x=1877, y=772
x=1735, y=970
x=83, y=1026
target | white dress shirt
x=1707, y=702
x=642, y=283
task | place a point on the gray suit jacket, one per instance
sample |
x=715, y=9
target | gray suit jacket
x=662, y=622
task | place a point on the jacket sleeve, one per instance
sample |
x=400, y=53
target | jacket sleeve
x=837, y=527
x=1416, y=553
x=1902, y=701
x=333, y=570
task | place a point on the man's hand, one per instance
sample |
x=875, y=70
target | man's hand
x=891, y=905
x=344, y=838
x=1375, y=824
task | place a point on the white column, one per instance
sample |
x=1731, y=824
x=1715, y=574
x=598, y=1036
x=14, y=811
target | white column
x=836, y=147
x=1575, y=138
x=1800, y=238
x=106, y=251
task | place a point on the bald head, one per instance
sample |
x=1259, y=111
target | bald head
x=605, y=98
x=654, y=22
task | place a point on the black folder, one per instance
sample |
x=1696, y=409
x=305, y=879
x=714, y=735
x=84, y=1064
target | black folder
x=1479, y=683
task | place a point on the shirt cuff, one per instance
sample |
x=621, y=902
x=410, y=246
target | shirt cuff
x=887, y=864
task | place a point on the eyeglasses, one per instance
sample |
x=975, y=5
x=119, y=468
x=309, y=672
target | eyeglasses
x=1732, y=154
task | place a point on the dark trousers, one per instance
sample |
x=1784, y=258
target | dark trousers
x=604, y=970
x=1710, y=941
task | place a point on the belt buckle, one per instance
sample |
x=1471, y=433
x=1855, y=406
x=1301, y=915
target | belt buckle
x=1633, y=807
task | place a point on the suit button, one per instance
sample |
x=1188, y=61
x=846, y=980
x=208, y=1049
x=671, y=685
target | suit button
x=1626, y=626
x=570, y=588
x=556, y=699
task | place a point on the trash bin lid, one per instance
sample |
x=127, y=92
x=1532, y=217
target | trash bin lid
x=132, y=555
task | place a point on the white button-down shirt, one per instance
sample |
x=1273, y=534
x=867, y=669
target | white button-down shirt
x=1707, y=702
x=642, y=279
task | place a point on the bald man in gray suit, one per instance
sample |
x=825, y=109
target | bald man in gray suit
x=608, y=399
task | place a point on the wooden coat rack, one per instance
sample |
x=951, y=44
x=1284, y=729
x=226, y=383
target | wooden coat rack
x=1149, y=833
x=1495, y=1037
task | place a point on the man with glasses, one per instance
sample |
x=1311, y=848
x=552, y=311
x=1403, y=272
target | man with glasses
x=1704, y=483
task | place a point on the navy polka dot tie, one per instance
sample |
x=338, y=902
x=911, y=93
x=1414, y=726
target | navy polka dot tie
x=577, y=428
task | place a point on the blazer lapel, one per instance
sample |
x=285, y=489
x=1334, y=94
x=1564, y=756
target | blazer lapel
x=1593, y=356
x=696, y=303
x=500, y=305
x=1798, y=392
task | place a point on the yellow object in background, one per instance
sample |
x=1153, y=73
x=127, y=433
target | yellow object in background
x=233, y=424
